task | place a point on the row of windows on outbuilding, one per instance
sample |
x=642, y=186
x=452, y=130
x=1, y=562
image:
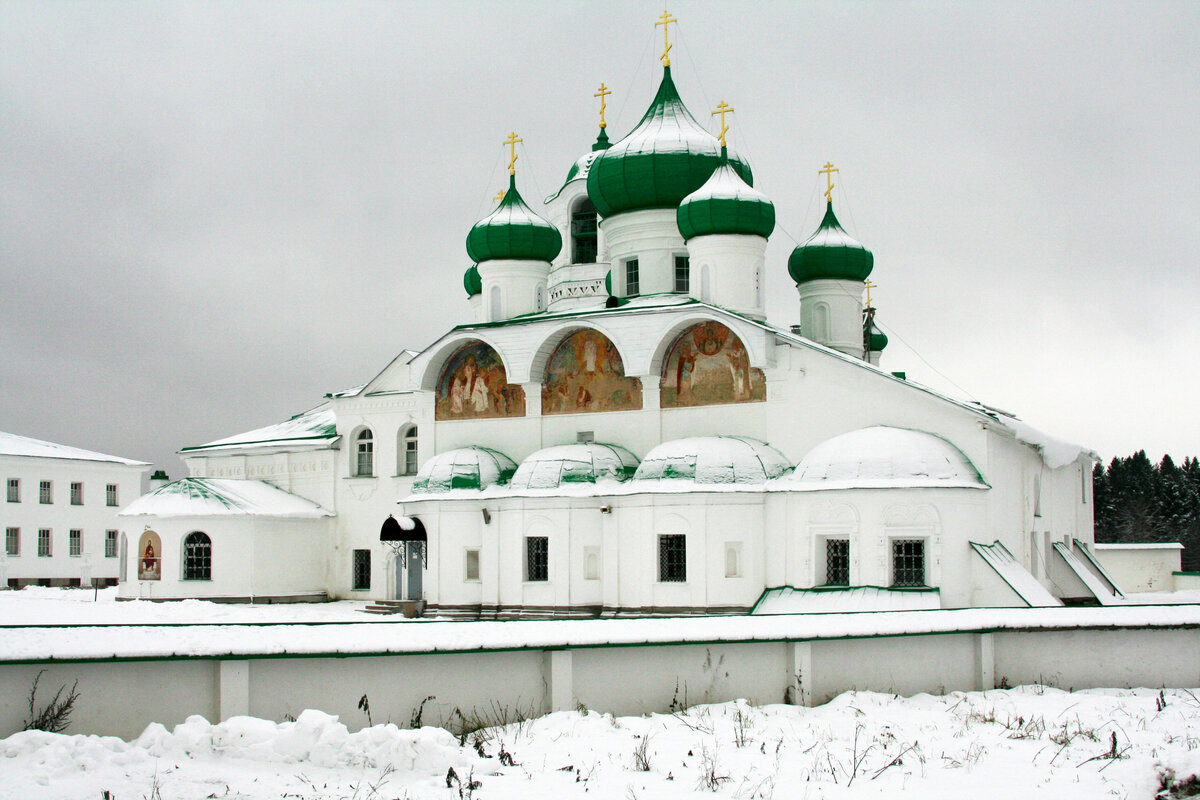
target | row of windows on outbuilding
x=46, y=492
x=407, y=462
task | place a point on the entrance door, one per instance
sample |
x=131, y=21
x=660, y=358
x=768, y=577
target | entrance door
x=398, y=567
x=415, y=558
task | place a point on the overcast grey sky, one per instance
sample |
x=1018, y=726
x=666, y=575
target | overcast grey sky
x=213, y=213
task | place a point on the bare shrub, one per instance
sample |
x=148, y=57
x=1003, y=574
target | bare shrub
x=55, y=716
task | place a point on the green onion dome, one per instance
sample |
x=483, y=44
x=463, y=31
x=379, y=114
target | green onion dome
x=513, y=232
x=876, y=340
x=579, y=170
x=608, y=283
x=725, y=204
x=472, y=282
x=830, y=253
x=666, y=157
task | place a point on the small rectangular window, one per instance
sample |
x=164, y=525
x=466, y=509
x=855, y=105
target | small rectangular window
x=75, y=543
x=76, y=493
x=672, y=558
x=43, y=542
x=837, y=562
x=362, y=570
x=14, y=490
x=12, y=541
x=110, y=494
x=682, y=271
x=45, y=492
x=537, y=558
x=908, y=562
x=632, y=283
x=110, y=544
x=471, y=568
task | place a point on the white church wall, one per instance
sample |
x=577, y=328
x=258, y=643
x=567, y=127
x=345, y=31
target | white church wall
x=1141, y=567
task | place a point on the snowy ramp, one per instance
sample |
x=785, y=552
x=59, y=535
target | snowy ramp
x=1019, y=579
x=1098, y=586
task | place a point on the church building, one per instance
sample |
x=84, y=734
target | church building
x=621, y=431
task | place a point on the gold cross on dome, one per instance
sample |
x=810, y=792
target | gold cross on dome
x=602, y=93
x=665, y=20
x=723, y=108
x=870, y=286
x=499, y=196
x=511, y=141
x=828, y=171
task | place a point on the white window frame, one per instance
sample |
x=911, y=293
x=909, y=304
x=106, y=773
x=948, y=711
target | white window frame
x=12, y=542
x=684, y=261
x=14, y=490
x=76, y=493
x=45, y=543
x=364, y=454
x=110, y=495
x=46, y=493
x=633, y=277
x=409, y=435
x=110, y=544
x=75, y=543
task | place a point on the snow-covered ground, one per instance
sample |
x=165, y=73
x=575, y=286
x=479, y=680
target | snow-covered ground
x=1024, y=742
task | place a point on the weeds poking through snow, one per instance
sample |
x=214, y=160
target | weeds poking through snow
x=414, y=721
x=641, y=755
x=709, y=779
x=364, y=705
x=55, y=716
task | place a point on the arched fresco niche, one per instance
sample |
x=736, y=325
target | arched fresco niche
x=585, y=373
x=149, y=561
x=708, y=364
x=474, y=385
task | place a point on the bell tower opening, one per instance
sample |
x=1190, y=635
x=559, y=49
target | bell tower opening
x=583, y=232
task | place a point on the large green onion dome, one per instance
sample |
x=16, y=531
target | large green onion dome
x=513, y=232
x=830, y=253
x=666, y=157
x=579, y=170
x=472, y=282
x=725, y=204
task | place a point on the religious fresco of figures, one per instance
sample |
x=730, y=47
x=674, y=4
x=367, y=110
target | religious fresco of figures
x=149, y=563
x=585, y=373
x=473, y=385
x=708, y=365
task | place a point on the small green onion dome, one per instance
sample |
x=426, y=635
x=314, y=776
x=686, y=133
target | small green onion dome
x=579, y=170
x=608, y=283
x=725, y=204
x=876, y=340
x=472, y=282
x=830, y=253
x=513, y=232
x=666, y=157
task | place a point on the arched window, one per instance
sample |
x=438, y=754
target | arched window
x=821, y=323
x=406, y=451
x=497, y=311
x=364, y=454
x=705, y=284
x=583, y=233
x=197, y=557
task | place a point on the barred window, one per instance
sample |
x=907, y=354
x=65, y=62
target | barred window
x=908, y=562
x=14, y=490
x=361, y=577
x=537, y=558
x=197, y=557
x=672, y=558
x=837, y=562
x=45, y=492
x=12, y=541
x=110, y=544
x=364, y=465
x=44, y=542
x=682, y=269
x=110, y=494
x=75, y=543
x=632, y=283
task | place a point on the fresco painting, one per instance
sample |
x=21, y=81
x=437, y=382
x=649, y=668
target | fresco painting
x=585, y=373
x=709, y=365
x=149, y=563
x=474, y=385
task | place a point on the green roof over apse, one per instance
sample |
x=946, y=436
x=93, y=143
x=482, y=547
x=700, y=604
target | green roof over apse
x=830, y=253
x=725, y=204
x=472, y=282
x=514, y=232
x=666, y=157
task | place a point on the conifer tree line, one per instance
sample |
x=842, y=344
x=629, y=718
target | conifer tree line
x=1137, y=501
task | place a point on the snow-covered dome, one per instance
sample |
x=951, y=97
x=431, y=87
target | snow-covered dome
x=513, y=232
x=551, y=467
x=666, y=157
x=713, y=460
x=830, y=253
x=884, y=457
x=579, y=170
x=725, y=204
x=465, y=468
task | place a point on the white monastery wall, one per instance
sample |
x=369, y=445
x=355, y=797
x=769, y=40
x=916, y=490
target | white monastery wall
x=1141, y=567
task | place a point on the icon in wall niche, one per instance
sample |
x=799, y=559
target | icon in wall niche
x=709, y=365
x=585, y=373
x=149, y=564
x=474, y=385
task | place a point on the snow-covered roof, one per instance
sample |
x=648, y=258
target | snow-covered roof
x=884, y=457
x=1027, y=587
x=589, y=462
x=713, y=460
x=318, y=426
x=1138, y=546
x=220, y=497
x=726, y=184
x=13, y=445
x=465, y=468
x=844, y=600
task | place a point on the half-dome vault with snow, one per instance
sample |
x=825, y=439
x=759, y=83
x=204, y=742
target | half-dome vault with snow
x=616, y=428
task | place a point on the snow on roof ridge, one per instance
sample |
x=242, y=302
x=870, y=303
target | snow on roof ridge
x=317, y=423
x=12, y=444
x=207, y=497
